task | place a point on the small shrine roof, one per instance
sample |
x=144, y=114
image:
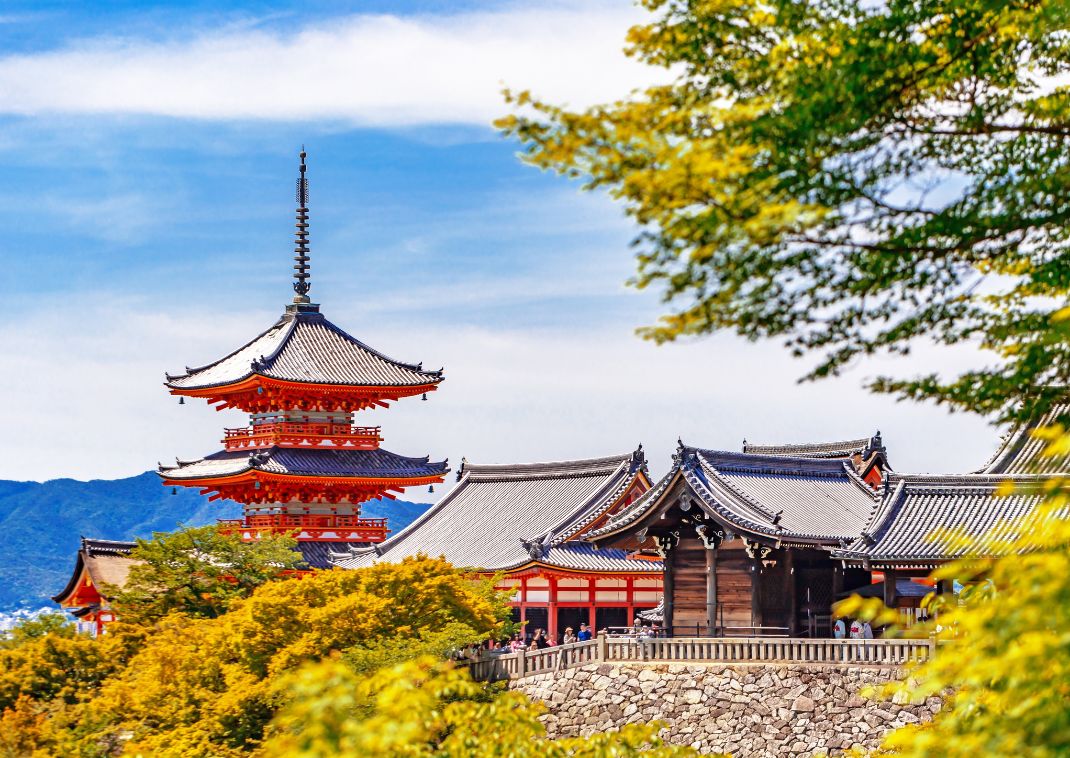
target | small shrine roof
x=304, y=347
x=925, y=520
x=373, y=464
x=502, y=517
x=107, y=562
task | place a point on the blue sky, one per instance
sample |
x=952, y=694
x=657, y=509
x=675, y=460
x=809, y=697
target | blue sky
x=149, y=152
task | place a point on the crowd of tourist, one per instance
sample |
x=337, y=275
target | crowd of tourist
x=540, y=639
x=856, y=630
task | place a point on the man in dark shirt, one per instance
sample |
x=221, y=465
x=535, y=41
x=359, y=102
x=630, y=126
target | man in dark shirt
x=585, y=633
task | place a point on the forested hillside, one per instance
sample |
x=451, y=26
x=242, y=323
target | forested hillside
x=43, y=521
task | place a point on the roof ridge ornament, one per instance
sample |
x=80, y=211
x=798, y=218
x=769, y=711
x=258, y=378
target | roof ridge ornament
x=302, y=285
x=638, y=461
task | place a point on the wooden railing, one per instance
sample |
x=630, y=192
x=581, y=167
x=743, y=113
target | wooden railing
x=295, y=434
x=312, y=526
x=779, y=651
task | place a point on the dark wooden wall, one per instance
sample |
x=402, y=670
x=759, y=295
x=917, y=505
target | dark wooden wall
x=775, y=591
x=734, y=578
x=689, y=588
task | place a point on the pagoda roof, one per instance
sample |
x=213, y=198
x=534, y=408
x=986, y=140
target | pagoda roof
x=926, y=520
x=781, y=498
x=312, y=462
x=107, y=562
x=505, y=517
x=304, y=347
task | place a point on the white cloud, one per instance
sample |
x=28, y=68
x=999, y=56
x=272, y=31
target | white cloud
x=377, y=70
x=87, y=399
x=119, y=219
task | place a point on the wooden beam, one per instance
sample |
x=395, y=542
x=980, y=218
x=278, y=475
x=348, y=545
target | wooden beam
x=891, y=599
x=756, y=592
x=668, y=587
x=711, y=591
x=789, y=588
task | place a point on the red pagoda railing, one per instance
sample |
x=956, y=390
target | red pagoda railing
x=324, y=528
x=291, y=434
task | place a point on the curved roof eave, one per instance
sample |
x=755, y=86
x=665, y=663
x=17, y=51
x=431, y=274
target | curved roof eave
x=73, y=582
x=637, y=510
x=613, y=469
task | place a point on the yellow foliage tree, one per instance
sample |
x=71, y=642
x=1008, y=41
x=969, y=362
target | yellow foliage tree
x=334, y=661
x=429, y=709
x=208, y=686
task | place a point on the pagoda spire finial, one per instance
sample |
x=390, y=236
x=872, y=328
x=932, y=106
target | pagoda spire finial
x=301, y=257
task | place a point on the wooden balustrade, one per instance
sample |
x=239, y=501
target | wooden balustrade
x=311, y=526
x=730, y=650
x=294, y=434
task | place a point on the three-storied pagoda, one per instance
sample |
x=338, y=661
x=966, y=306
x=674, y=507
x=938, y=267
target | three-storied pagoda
x=301, y=464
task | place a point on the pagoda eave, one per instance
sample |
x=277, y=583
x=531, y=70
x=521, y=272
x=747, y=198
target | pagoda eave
x=257, y=486
x=258, y=394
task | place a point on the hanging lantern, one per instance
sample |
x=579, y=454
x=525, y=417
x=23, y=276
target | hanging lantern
x=424, y=396
x=181, y=401
x=174, y=490
x=431, y=488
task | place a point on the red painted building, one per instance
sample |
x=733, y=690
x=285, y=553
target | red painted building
x=528, y=522
x=100, y=567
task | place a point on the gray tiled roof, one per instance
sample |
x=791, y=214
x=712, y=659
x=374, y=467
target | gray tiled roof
x=809, y=498
x=841, y=449
x=805, y=499
x=377, y=463
x=107, y=547
x=503, y=517
x=905, y=528
x=318, y=554
x=306, y=347
x=1021, y=453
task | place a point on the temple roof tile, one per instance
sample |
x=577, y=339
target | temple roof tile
x=305, y=347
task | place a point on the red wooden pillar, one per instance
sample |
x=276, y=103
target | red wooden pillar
x=591, y=594
x=552, y=612
x=523, y=606
x=630, y=589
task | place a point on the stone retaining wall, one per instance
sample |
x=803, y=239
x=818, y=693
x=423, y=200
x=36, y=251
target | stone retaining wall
x=745, y=710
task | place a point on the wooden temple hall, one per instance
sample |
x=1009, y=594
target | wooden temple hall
x=761, y=541
x=765, y=541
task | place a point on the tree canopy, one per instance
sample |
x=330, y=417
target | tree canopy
x=324, y=663
x=200, y=571
x=849, y=176
x=426, y=708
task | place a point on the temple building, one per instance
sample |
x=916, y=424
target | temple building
x=99, y=567
x=765, y=541
x=746, y=537
x=302, y=464
x=528, y=522
x=926, y=520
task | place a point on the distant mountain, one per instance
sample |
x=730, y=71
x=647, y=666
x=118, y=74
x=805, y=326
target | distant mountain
x=42, y=523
